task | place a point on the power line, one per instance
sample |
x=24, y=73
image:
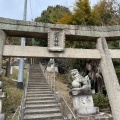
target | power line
x=39, y=5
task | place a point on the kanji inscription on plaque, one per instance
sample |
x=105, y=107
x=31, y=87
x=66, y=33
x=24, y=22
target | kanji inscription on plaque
x=56, y=38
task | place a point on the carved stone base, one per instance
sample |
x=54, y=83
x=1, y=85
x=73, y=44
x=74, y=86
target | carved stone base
x=83, y=101
x=88, y=111
x=96, y=117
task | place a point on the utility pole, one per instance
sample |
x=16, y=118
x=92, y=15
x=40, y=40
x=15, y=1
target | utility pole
x=21, y=62
x=119, y=17
x=32, y=59
x=119, y=10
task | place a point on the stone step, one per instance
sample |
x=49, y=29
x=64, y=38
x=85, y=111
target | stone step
x=38, y=86
x=40, y=98
x=30, y=90
x=39, y=95
x=48, y=116
x=41, y=87
x=39, y=83
x=37, y=76
x=36, y=73
x=43, y=110
x=33, y=72
x=41, y=102
x=38, y=80
x=33, y=69
x=41, y=76
x=39, y=92
x=27, y=106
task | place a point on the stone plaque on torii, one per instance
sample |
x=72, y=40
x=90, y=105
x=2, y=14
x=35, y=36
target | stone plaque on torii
x=56, y=39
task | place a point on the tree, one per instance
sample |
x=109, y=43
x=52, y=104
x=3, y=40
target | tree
x=82, y=13
x=66, y=19
x=53, y=14
x=105, y=12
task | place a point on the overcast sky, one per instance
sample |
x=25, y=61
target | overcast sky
x=14, y=8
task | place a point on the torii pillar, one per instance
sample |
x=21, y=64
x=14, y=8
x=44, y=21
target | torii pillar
x=2, y=94
x=110, y=78
x=2, y=42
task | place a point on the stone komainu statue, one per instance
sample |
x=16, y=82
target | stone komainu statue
x=79, y=81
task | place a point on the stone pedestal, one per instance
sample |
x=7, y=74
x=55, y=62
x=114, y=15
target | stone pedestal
x=83, y=101
x=96, y=117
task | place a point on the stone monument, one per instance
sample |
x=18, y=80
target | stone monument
x=82, y=94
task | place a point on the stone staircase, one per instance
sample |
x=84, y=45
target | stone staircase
x=40, y=101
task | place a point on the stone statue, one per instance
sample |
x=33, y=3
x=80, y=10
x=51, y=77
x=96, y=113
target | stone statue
x=79, y=82
x=82, y=95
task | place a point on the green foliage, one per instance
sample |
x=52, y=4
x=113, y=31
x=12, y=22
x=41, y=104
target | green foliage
x=41, y=42
x=12, y=41
x=105, y=12
x=53, y=14
x=82, y=13
x=66, y=19
x=101, y=101
x=114, y=44
x=117, y=68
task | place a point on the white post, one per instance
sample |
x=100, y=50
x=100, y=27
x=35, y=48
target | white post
x=11, y=70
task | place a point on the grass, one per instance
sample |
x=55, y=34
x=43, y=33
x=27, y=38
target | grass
x=63, y=84
x=14, y=95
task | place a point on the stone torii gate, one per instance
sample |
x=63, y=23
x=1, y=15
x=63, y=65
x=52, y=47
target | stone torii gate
x=56, y=35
